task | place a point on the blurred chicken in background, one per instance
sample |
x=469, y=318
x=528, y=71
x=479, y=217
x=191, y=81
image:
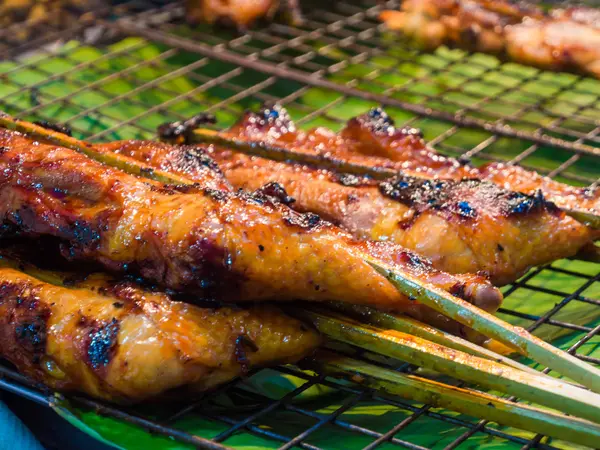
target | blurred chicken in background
x=240, y=13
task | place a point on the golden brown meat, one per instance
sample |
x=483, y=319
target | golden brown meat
x=216, y=243
x=562, y=40
x=116, y=341
x=241, y=13
x=373, y=140
x=463, y=226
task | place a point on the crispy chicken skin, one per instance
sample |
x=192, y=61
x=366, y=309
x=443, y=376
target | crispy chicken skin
x=116, y=341
x=565, y=39
x=241, y=13
x=215, y=243
x=462, y=226
x=374, y=141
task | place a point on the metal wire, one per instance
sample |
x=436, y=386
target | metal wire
x=490, y=112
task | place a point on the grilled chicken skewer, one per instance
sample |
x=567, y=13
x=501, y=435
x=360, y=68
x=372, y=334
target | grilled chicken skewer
x=564, y=39
x=215, y=243
x=464, y=226
x=372, y=141
x=405, y=282
x=113, y=340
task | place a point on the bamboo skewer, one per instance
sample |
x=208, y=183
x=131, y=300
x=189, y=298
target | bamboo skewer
x=453, y=307
x=275, y=153
x=405, y=324
x=387, y=382
x=491, y=326
x=124, y=163
x=466, y=401
x=539, y=389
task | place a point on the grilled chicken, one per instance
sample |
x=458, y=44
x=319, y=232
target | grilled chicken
x=462, y=225
x=116, y=341
x=240, y=13
x=215, y=243
x=565, y=39
x=372, y=140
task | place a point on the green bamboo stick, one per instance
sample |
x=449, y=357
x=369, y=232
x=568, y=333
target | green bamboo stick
x=121, y=162
x=276, y=153
x=491, y=326
x=269, y=151
x=465, y=401
x=405, y=324
x=536, y=388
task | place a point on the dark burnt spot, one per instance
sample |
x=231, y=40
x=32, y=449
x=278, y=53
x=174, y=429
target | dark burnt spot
x=272, y=193
x=212, y=269
x=261, y=247
x=26, y=317
x=32, y=335
x=55, y=127
x=464, y=199
x=181, y=131
x=216, y=194
x=243, y=345
x=118, y=305
x=146, y=171
x=84, y=233
x=3, y=150
x=58, y=193
x=348, y=179
x=414, y=261
x=458, y=289
x=101, y=343
x=192, y=158
x=500, y=247
x=305, y=221
x=464, y=209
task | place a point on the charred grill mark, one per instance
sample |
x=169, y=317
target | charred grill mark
x=306, y=221
x=192, y=158
x=180, y=131
x=379, y=122
x=465, y=199
x=26, y=316
x=272, y=193
x=101, y=342
x=243, y=344
x=55, y=127
x=458, y=290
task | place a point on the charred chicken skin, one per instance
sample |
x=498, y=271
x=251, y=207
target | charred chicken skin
x=461, y=226
x=116, y=341
x=215, y=243
x=564, y=39
x=372, y=140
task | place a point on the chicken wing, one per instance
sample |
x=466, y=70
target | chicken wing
x=564, y=39
x=116, y=341
x=215, y=243
x=462, y=225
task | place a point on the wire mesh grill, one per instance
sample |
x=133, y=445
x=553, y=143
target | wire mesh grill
x=120, y=79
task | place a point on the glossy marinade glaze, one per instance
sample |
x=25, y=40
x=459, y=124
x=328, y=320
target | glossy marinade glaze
x=462, y=225
x=213, y=242
x=114, y=340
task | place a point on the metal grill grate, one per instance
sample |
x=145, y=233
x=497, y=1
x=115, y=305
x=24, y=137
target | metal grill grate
x=120, y=79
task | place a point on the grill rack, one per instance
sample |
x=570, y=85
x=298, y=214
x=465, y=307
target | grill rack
x=281, y=64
